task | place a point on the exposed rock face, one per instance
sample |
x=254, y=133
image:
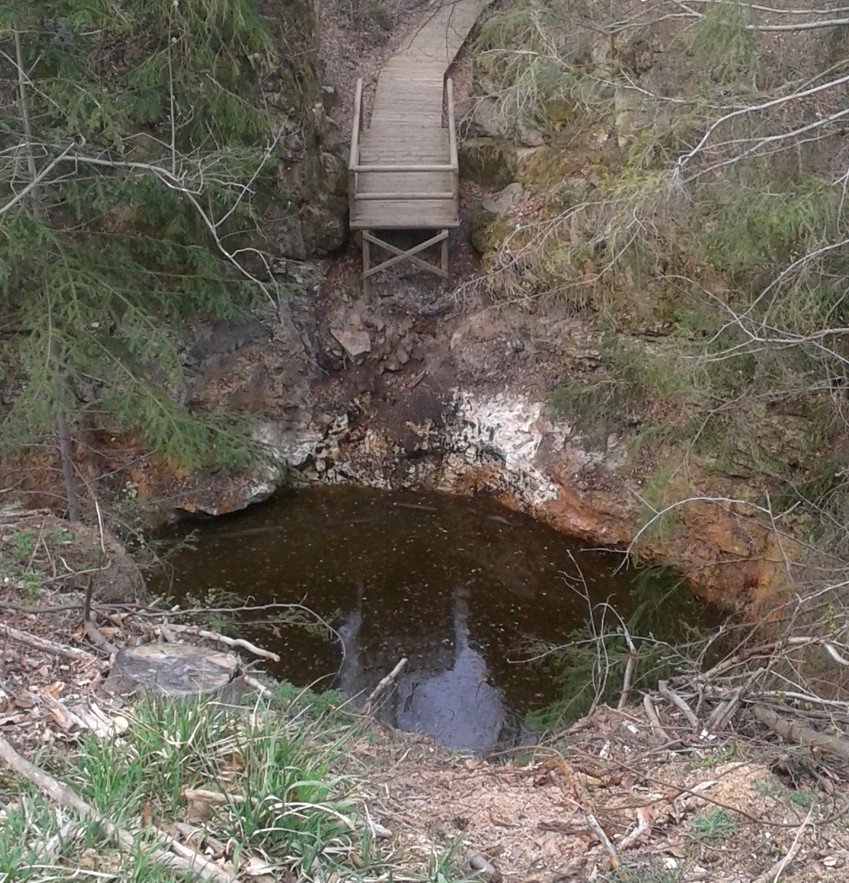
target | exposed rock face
x=503, y=446
x=466, y=414
x=489, y=162
x=311, y=216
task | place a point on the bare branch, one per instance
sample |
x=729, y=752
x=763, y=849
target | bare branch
x=755, y=108
x=37, y=179
x=178, y=184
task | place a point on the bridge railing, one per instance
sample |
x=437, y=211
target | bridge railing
x=356, y=168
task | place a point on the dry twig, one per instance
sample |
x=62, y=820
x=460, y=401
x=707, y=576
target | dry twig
x=669, y=694
x=221, y=639
x=45, y=646
x=773, y=875
x=643, y=827
x=384, y=683
x=660, y=734
x=606, y=842
x=629, y=668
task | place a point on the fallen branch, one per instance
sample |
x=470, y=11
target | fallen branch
x=799, y=733
x=828, y=646
x=599, y=832
x=384, y=683
x=47, y=849
x=724, y=711
x=670, y=695
x=739, y=659
x=643, y=827
x=379, y=831
x=808, y=698
x=46, y=646
x=64, y=717
x=254, y=684
x=775, y=872
x=625, y=692
x=221, y=639
x=660, y=734
x=156, y=613
x=197, y=836
x=96, y=638
x=59, y=608
x=208, y=796
x=185, y=866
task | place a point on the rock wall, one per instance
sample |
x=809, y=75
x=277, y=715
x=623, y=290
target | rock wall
x=503, y=445
x=310, y=216
x=441, y=421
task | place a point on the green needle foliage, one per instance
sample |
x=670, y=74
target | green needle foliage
x=144, y=127
x=723, y=43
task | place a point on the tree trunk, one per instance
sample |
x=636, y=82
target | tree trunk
x=68, y=469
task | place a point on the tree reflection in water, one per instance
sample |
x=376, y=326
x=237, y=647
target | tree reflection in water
x=456, y=705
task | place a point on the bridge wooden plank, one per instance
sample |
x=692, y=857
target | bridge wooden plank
x=408, y=127
x=407, y=215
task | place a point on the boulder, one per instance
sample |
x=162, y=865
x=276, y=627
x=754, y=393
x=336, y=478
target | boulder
x=500, y=203
x=177, y=670
x=486, y=120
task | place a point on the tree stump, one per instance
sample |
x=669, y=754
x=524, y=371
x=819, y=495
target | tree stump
x=178, y=670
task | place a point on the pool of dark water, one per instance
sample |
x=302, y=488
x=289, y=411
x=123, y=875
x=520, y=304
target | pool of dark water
x=460, y=587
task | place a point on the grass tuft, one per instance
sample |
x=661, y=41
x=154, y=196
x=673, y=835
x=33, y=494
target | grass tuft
x=273, y=788
x=712, y=826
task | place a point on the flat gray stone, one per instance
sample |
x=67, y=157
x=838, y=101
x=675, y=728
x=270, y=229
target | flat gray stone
x=501, y=202
x=355, y=341
x=176, y=669
x=487, y=120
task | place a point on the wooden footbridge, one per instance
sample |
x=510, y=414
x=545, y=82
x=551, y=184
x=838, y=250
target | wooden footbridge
x=403, y=172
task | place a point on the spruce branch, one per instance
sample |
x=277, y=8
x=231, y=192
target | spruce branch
x=25, y=119
x=177, y=183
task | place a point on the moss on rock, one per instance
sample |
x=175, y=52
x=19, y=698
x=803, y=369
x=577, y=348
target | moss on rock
x=489, y=162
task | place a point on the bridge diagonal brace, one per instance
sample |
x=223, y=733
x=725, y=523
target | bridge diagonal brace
x=408, y=255
x=399, y=255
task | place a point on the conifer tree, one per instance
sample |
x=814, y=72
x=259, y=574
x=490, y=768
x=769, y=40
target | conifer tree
x=133, y=158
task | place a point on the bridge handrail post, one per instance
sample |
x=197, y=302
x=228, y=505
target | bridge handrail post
x=354, y=156
x=452, y=144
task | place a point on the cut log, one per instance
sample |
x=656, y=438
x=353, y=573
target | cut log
x=794, y=731
x=176, y=669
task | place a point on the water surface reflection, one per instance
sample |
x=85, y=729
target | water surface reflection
x=458, y=586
